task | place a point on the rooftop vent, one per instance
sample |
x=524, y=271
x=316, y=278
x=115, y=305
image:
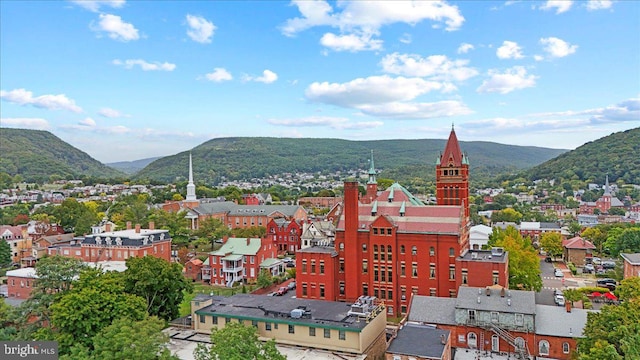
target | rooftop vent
x=474, y=255
x=297, y=313
x=509, y=302
x=497, y=251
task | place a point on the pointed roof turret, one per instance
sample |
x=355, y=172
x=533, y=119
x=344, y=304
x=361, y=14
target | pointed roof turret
x=191, y=187
x=607, y=190
x=452, y=153
x=372, y=171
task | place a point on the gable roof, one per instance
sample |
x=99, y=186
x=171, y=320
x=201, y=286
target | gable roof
x=633, y=259
x=577, y=243
x=239, y=246
x=419, y=340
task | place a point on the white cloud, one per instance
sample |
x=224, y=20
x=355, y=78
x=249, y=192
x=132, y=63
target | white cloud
x=464, y=48
x=267, y=77
x=372, y=90
x=51, y=102
x=94, y=5
x=200, y=30
x=627, y=110
x=538, y=57
x=437, y=67
x=87, y=122
x=111, y=113
x=559, y=5
x=116, y=28
x=25, y=123
x=405, y=38
x=219, y=75
x=599, y=4
x=509, y=50
x=400, y=110
x=350, y=42
x=326, y=121
x=145, y=66
x=557, y=47
x=515, y=78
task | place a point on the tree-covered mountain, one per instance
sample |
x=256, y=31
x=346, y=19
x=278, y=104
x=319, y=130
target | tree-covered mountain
x=616, y=155
x=132, y=167
x=40, y=156
x=245, y=158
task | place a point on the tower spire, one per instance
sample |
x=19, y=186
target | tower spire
x=607, y=190
x=191, y=187
x=372, y=171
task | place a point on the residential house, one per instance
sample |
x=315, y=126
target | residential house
x=328, y=325
x=19, y=243
x=631, y=265
x=20, y=283
x=318, y=233
x=420, y=342
x=193, y=269
x=284, y=234
x=577, y=249
x=497, y=320
x=238, y=260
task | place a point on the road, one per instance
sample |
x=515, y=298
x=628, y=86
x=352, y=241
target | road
x=550, y=283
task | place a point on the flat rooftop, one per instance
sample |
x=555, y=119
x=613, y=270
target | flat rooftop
x=485, y=256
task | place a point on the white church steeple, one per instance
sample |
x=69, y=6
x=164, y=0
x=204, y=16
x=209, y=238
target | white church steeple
x=191, y=187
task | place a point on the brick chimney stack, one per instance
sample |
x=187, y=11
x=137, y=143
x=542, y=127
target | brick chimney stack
x=128, y=225
x=152, y=225
x=353, y=250
x=137, y=228
x=107, y=227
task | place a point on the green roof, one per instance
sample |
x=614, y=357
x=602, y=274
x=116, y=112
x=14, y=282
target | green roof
x=239, y=246
x=269, y=262
x=232, y=257
x=414, y=200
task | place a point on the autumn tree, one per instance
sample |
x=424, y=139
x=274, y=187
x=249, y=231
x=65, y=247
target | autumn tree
x=507, y=215
x=551, y=242
x=160, y=283
x=237, y=342
x=524, y=264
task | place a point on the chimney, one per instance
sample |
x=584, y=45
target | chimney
x=502, y=292
x=353, y=249
x=567, y=305
x=107, y=227
x=137, y=228
x=128, y=225
x=443, y=339
x=248, y=241
x=152, y=225
x=488, y=291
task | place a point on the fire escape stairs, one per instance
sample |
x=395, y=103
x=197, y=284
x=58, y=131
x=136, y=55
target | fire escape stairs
x=521, y=351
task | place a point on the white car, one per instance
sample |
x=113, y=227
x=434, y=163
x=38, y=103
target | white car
x=558, y=273
x=559, y=299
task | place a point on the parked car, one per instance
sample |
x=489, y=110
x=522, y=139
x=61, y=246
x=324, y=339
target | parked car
x=589, y=268
x=287, y=260
x=547, y=259
x=596, y=260
x=291, y=265
x=558, y=273
x=609, y=264
x=283, y=290
x=607, y=283
x=292, y=285
x=558, y=292
x=559, y=300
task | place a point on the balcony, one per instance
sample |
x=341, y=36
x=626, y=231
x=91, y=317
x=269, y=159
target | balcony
x=232, y=270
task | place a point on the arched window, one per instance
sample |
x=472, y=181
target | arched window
x=519, y=342
x=565, y=347
x=414, y=250
x=341, y=246
x=472, y=340
x=543, y=347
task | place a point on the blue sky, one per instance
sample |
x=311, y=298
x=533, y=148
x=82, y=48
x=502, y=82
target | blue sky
x=125, y=80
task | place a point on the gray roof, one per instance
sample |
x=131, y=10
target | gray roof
x=556, y=321
x=419, y=340
x=324, y=314
x=432, y=310
x=633, y=259
x=232, y=208
x=320, y=249
x=522, y=302
x=485, y=256
x=128, y=237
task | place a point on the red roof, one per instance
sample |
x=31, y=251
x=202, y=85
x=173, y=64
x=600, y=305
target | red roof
x=577, y=243
x=452, y=153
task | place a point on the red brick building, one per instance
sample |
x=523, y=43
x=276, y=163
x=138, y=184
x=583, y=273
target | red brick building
x=631, y=265
x=20, y=283
x=396, y=245
x=285, y=235
x=239, y=260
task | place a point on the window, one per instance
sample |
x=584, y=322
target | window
x=465, y=273
x=471, y=315
x=321, y=266
x=401, y=249
x=519, y=342
x=364, y=247
x=375, y=273
x=496, y=277
x=403, y=309
x=389, y=250
x=389, y=231
x=451, y=252
x=403, y=293
x=376, y=293
x=432, y=251
x=304, y=289
x=341, y=246
x=383, y=294
x=215, y=320
x=341, y=287
x=414, y=250
x=254, y=323
x=452, y=272
x=472, y=340
x=304, y=266
x=375, y=252
x=383, y=275
x=402, y=269
x=321, y=291
x=202, y=319
x=327, y=333
x=565, y=347
x=519, y=319
x=389, y=294
x=365, y=266
x=341, y=268
x=494, y=317
x=414, y=269
x=312, y=331
x=227, y=320
x=390, y=273
x=313, y=266
x=365, y=289
x=543, y=347
x=432, y=271
x=292, y=329
x=342, y=335
x=267, y=326
x=375, y=231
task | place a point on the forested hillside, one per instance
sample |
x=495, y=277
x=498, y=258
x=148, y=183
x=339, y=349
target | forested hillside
x=617, y=155
x=244, y=158
x=132, y=167
x=39, y=155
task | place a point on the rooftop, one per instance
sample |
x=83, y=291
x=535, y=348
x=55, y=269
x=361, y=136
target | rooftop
x=514, y=301
x=556, y=321
x=633, y=259
x=485, y=256
x=239, y=246
x=422, y=310
x=419, y=340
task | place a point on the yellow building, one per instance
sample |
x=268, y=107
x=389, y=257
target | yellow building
x=337, y=326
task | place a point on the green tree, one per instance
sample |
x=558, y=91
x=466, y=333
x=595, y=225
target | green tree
x=175, y=222
x=574, y=228
x=127, y=339
x=264, y=278
x=628, y=241
x=160, y=283
x=617, y=211
x=524, y=264
x=237, y=342
x=212, y=229
x=596, y=236
x=507, y=215
x=629, y=289
x=56, y=273
x=552, y=243
x=5, y=253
